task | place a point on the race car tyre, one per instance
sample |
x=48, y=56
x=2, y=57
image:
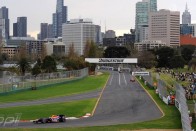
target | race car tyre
x=43, y=120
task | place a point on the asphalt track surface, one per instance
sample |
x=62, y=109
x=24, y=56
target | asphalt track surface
x=122, y=102
x=82, y=96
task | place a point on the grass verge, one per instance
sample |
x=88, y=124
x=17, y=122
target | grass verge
x=87, y=84
x=76, y=109
x=171, y=120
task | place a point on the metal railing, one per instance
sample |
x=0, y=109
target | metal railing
x=25, y=82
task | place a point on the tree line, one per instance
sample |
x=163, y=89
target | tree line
x=159, y=57
x=168, y=57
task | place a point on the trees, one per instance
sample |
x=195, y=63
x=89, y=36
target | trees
x=72, y=54
x=164, y=56
x=177, y=61
x=44, y=52
x=49, y=64
x=74, y=64
x=187, y=52
x=90, y=50
x=23, y=65
x=37, y=68
x=116, y=52
x=147, y=60
x=192, y=64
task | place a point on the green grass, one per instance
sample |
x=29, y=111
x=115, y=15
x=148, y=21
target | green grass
x=87, y=84
x=183, y=70
x=171, y=120
x=76, y=109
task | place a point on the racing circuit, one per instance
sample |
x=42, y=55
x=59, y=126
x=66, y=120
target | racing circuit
x=121, y=102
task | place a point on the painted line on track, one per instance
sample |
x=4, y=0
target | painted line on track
x=125, y=79
x=111, y=80
x=119, y=78
x=163, y=114
x=100, y=97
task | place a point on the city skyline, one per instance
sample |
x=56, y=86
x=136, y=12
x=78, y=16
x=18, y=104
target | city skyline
x=116, y=15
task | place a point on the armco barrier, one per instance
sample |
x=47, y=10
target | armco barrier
x=19, y=83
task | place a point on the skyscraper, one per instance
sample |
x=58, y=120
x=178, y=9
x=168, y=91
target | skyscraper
x=4, y=23
x=59, y=18
x=78, y=32
x=20, y=28
x=44, y=31
x=164, y=25
x=186, y=16
x=143, y=9
x=50, y=31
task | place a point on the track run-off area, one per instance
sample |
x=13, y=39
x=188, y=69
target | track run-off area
x=120, y=102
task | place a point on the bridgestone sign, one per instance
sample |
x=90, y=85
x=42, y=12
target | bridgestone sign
x=111, y=60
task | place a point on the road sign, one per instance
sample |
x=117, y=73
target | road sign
x=140, y=73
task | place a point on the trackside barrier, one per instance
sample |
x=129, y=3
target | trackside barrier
x=181, y=104
x=162, y=91
x=180, y=100
x=148, y=79
x=26, y=82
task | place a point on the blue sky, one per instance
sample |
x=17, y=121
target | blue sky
x=118, y=15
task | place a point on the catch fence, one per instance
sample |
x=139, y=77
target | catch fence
x=16, y=83
x=181, y=104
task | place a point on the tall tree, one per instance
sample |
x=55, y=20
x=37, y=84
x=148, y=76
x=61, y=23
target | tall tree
x=72, y=54
x=37, y=68
x=187, y=52
x=23, y=60
x=147, y=60
x=49, y=64
x=177, y=61
x=116, y=52
x=22, y=52
x=23, y=65
x=93, y=50
x=44, y=52
x=164, y=56
x=192, y=64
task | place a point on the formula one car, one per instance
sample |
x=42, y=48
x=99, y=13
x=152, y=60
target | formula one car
x=132, y=79
x=52, y=119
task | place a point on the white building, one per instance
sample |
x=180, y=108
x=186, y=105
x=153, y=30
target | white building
x=144, y=33
x=164, y=25
x=148, y=44
x=56, y=48
x=78, y=32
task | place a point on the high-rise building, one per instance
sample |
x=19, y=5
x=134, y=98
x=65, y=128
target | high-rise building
x=59, y=18
x=78, y=32
x=186, y=29
x=142, y=12
x=44, y=31
x=50, y=31
x=144, y=32
x=164, y=25
x=186, y=16
x=4, y=23
x=110, y=34
x=98, y=35
x=20, y=28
